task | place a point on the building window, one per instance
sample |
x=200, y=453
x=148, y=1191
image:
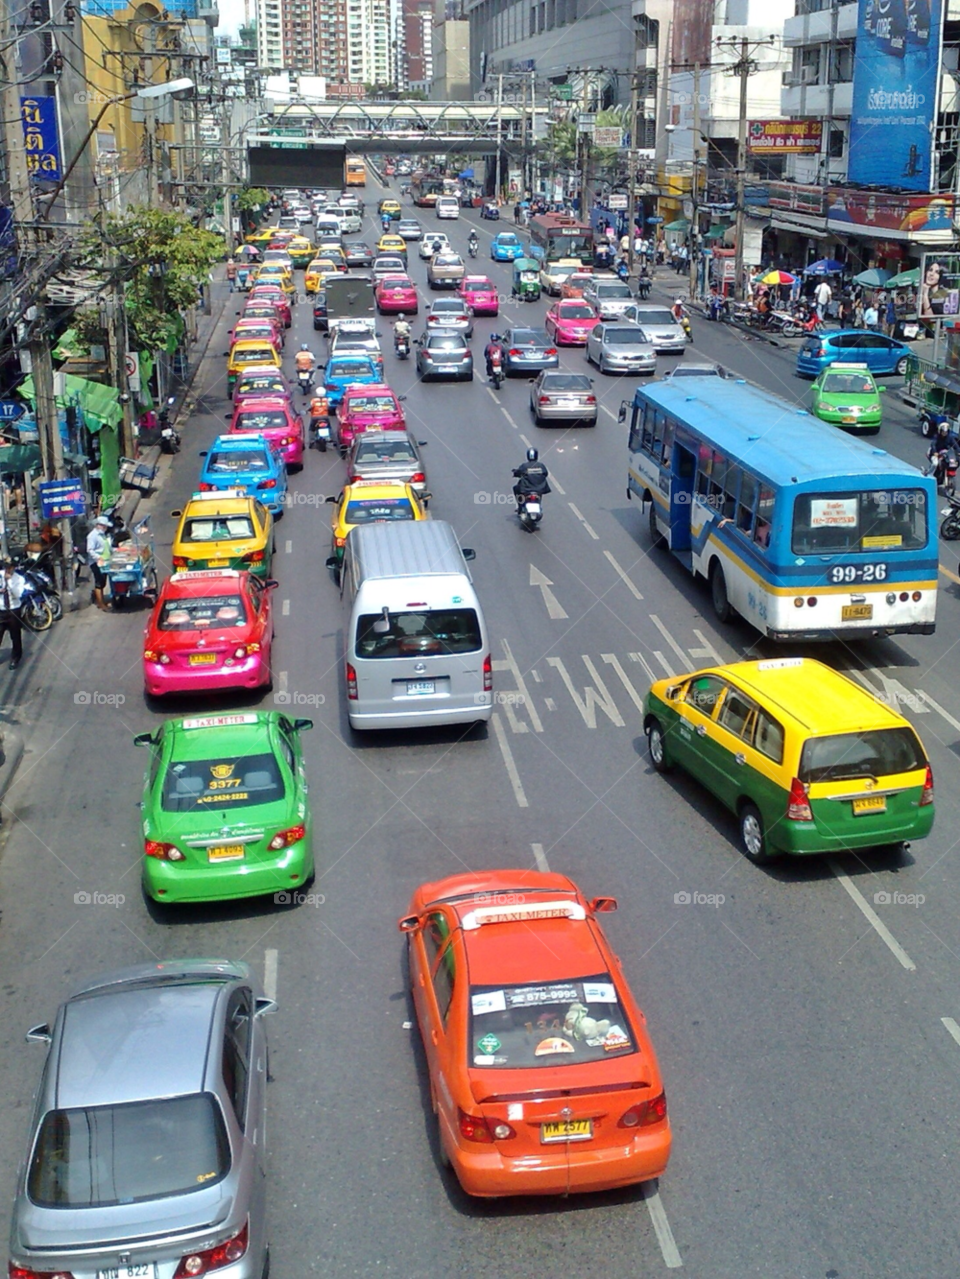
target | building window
x=835, y=144
x=533, y=20
x=841, y=62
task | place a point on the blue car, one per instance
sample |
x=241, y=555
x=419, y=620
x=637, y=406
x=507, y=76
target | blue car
x=246, y=460
x=346, y=370
x=506, y=247
x=862, y=346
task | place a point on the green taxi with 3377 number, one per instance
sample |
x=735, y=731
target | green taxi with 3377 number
x=808, y=760
x=846, y=395
x=225, y=811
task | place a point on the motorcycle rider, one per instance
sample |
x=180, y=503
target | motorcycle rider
x=319, y=411
x=488, y=350
x=401, y=330
x=531, y=477
x=938, y=454
x=473, y=242
x=305, y=360
x=643, y=284
x=677, y=311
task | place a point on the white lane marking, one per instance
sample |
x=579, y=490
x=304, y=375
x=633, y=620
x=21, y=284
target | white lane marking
x=540, y=857
x=537, y=677
x=525, y=440
x=583, y=522
x=669, y=638
x=952, y=1029
x=871, y=916
x=892, y=692
x=550, y=704
x=508, y=417
x=937, y=707
x=706, y=649
x=639, y=657
x=612, y=660
x=629, y=585
x=661, y=1226
x=522, y=686
x=609, y=411
x=285, y=610
x=288, y=546
x=592, y=697
x=270, y=974
x=282, y=681
x=555, y=610
x=508, y=761
x=664, y=663
x=555, y=483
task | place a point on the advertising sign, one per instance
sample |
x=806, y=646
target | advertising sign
x=927, y=218
x=41, y=137
x=61, y=498
x=607, y=135
x=939, y=291
x=895, y=93
x=785, y=137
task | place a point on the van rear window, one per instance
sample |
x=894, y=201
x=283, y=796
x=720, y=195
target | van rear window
x=432, y=632
x=873, y=753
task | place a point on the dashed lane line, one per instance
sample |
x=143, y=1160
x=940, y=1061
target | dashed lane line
x=540, y=857
x=288, y=546
x=629, y=585
x=270, y=973
x=509, y=763
x=872, y=918
x=285, y=608
x=577, y=513
x=661, y=1226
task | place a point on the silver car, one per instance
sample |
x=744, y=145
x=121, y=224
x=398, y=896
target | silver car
x=145, y=1156
x=388, y=264
x=388, y=456
x=450, y=313
x=563, y=397
x=616, y=347
x=409, y=228
x=661, y=328
x=609, y=298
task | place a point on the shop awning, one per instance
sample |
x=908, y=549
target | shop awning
x=681, y=224
x=98, y=403
x=716, y=233
x=17, y=458
x=936, y=377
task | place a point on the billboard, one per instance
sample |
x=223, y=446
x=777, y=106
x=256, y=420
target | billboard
x=785, y=137
x=41, y=137
x=895, y=86
x=939, y=291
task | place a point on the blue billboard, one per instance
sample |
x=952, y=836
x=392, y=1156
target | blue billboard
x=41, y=137
x=895, y=86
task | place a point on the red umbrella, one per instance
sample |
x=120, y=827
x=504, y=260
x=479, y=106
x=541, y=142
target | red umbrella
x=777, y=277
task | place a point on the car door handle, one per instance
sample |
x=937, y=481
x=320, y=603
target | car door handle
x=422, y=980
x=435, y=1037
x=740, y=757
x=702, y=730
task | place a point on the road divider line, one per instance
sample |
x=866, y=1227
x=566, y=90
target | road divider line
x=550, y=704
x=684, y=660
x=525, y=440
x=521, y=684
x=270, y=973
x=540, y=857
x=285, y=609
x=610, y=412
x=508, y=762
x=947, y=573
x=508, y=417
x=951, y=1027
x=871, y=916
x=555, y=483
x=583, y=521
x=629, y=585
x=288, y=546
x=925, y=697
x=282, y=681
x=661, y=1226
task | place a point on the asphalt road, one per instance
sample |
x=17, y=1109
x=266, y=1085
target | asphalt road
x=804, y=1030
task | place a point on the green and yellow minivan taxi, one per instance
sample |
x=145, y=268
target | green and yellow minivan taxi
x=808, y=760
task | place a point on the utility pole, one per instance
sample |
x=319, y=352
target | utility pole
x=695, y=186
x=496, y=180
x=227, y=174
x=632, y=168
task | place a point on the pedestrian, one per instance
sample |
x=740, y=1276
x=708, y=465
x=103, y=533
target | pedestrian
x=97, y=543
x=822, y=297
x=11, y=591
x=846, y=312
x=890, y=317
x=871, y=318
x=625, y=243
x=231, y=274
x=858, y=312
x=516, y=214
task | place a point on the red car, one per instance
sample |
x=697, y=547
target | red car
x=570, y=321
x=277, y=420
x=258, y=384
x=274, y=294
x=209, y=630
x=373, y=406
x=270, y=330
x=542, y=1074
x=480, y=295
x=396, y=293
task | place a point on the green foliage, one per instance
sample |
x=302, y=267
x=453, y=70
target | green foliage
x=253, y=198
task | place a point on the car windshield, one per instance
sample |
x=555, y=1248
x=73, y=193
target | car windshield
x=694, y=370
x=507, y=237
x=231, y=461
x=238, y=781
x=613, y=291
x=624, y=337
x=442, y=630
x=877, y=520
x=349, y=368
x=377, y=448
x=371, y=404
x=557, y=1023
x=372, y=510
x=397, y=282
x=260, y=421
x=217, y=528
x=260, y=355
x=566, y=382
x=358, y=246
x=108, y=1155
x=873, y=753
x=848, y=384
x=578, y=311
x=446, y=342
x=657, y=315
x=195, y=612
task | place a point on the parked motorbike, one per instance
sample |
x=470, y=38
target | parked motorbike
x=530, y=510
x=783, y=322
x=36, y=600
x=950, y=528
x=163, y=433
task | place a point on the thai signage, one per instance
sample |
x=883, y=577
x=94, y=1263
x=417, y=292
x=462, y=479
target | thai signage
x=919, y=217
x=41, y=137
x=785, y=137
x=895, y=93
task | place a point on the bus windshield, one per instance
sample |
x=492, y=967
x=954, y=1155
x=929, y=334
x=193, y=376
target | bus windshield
x=878, y=519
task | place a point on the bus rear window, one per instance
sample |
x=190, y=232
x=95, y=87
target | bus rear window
x=881, y=520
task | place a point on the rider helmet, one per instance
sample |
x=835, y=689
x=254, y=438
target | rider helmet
x=304, y=347
x=400, y=317
x=533, y=455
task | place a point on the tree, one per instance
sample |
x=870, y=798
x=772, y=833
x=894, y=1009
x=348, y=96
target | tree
x=252, y=198
x=560, y=148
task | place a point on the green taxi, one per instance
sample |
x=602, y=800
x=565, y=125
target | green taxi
x=846, y=395
x=225, y=810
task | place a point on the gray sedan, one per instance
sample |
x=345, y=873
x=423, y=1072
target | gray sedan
x=528, y=351
x=450, y=313
x=563, y=397
x=388, y=456
x=617, y=347
x=145, y=1155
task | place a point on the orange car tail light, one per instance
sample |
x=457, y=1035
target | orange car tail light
x=351, y=683
x=195, y=1264
x=484, y=1131
x=927, y=794
x=645, y=1113
x=254, y=557
x=163, y=852
x=798, y=805
x=24, y=1272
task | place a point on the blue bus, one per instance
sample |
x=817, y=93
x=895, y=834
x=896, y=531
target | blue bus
x=805, y=531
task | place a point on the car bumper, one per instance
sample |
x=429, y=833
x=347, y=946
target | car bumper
x=172, y=882
x=461, y=371
x=531, y=366
x=859, y=422
x=811, y=839
x=812, y=368
x=251, y=672
x=621, y=365
x=565, y=337
x=554, y=413
x=393, y=306
x=486, y=308
x=424, y=718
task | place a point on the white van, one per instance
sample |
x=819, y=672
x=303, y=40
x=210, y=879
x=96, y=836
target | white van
x=416, y=646
x=448, y=206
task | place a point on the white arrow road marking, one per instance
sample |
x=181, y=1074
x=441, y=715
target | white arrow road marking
x=592, y=697
x=555, y=609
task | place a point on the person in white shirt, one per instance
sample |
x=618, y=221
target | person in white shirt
x=96, y=542
x=822, y=297
x=12, y=587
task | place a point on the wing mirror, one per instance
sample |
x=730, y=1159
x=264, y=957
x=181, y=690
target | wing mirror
x=622, y=415
x=143, y=739
x=204, y=452
x=409, y=924
x=468, y=552
x=332, y=562
x=331, y=499
x=303, y=725
x=39, y=1034
x=602, y=905
x=262, y=1006
x=175, y=514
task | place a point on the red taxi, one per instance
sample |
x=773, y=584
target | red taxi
x=542, y=1074
x=570, y=321
x=275, y=295
x=480, y=294
x=373, y=406
x=270, y=330
x=276, y=419
x=209, y=630
x=257, y=383
x=396, y=293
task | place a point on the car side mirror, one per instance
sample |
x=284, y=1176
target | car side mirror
x=468, y=552
x=401, y=398
x=143, y=739
x=39, y=1034
x=203, y=452
x=409, y=924
x=175, y=514
x=331, y=561
x=882, y=389
x=602, y=905
x=303, y=725
x=271, y=584
x=672, y=693
x=262, y=1006
x=422, y=443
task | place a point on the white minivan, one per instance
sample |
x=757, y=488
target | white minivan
x=416, y=648
x=448, y=206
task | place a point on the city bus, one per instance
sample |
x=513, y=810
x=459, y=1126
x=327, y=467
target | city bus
x=355, y=172
x=560, y=236
x=424, y=189
x=805, y=531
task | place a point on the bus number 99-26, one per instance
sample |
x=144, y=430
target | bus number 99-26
x=858, y=573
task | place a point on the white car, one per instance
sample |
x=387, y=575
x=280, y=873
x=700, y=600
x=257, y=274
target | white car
x=349, y=219
x=448, y=206
x=433, y=243
x=609, y=298
x=302, y=213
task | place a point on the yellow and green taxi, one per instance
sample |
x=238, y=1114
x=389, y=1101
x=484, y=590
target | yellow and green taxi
x=372, y=502
x=392, y=244
x=847, y=396
x=275, y=273
x=391, y=208
x=807, y=759
x=317, y=272
x=300, y=250
x=224, y=530
x=260, y=239
x=248, y=353
x=332, y=253
x=225, y=811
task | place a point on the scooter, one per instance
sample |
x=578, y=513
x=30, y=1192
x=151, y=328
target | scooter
x=530, y=510
x=169, y=435
x=942, y=465
x=950, y=528
x=304, y=380
x=473, y=248
x=320, y=435
x=783, y=322
x=401, y=345
x=496, y=368
x=36, y=611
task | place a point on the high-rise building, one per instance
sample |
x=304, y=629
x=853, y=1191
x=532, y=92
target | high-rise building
x=299, y=35
x=415, y=45
x=331, y=26
x=368, y=42
x=269, y=35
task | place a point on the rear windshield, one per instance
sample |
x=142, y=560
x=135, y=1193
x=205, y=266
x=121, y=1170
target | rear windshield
x=350, y=368
x=566, y=382
x=656, y=316
x=261, y=385
x=529, y=337
x=873, y=753
x=576, y=311
x=218, y=528
x=237, y=460
x=260, y=421
x=109, y=1155
x=371, y=510
x=257, y=355
x=197, y=612
x=397, y=282
x=878, y=520
x=613, y=291
x=624, y=337
x=476, y=286
x=451, y=306
x=437, y=631
x=558, y=1023
x=446, y=342
x=507, y=237
x=198, y=785
x=371, y=403
x=384, y=449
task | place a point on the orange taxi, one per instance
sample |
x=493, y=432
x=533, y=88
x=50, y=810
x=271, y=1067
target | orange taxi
x=542, y=1074
x=574, y=285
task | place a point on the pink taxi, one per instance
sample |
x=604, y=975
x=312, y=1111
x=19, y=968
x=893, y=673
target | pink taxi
x=570, y=321
x=277, y=419
x=370, y=407
x=397, y=293
x=209, y=630
x=480, y=295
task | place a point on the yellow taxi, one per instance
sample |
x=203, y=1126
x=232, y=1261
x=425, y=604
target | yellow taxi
x=333, y=252
x=300, y=250
x=224, y=530
x=260, y=239
x=807, y=760
x=275, y=273
x=372, y=502
x=392, y=244
x=390, y=207
x=247, y=353
x=317, y=272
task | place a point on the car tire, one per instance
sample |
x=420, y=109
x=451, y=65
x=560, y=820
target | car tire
x=657, y=747
x=656, y=537
x=753, y=838
x=900, y=368
x=718, y=594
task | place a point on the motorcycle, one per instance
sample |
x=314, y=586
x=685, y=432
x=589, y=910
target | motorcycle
x=496, y=368
x=36, y=609
x=304, y=380
x=684, y=321
x=169, y=435
x=473, y=248
x=942, y=465
x=401, y=345
x=950, y=528
x=320, y=435
x=783, y=322
x=530, y=510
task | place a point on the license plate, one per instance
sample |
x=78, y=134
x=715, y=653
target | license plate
x=568, y=404
x=145, y=1271
x=203, y=659
x=533, y=508
x=567, y=1130
x=218, y=563
x=446, y=368
x=845, y=420
x=871, y=804
x=225, y=853
x=856, y=612
x=420, y=687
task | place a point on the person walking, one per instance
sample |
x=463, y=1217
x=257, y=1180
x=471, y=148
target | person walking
x=871, y=318
x=231, y=274
x=97, y=543
x=11, y=591
x=890, y=317
x=822, y=297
